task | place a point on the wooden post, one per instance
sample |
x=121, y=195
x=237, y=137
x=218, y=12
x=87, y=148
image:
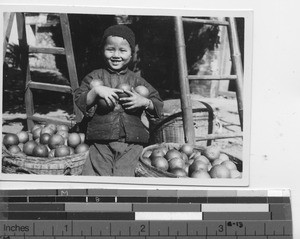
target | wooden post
x=186, y=104
x=25, y=68
x=65, y=26
x=236, y=64
x=7, y=26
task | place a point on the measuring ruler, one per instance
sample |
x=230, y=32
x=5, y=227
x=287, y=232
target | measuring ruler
x=145, y=214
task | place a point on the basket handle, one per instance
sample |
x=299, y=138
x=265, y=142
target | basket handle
x=208, y=109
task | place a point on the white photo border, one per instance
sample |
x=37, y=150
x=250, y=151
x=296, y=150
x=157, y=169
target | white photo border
x=248, y=51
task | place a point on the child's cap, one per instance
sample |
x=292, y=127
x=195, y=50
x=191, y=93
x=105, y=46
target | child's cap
x=120, y=31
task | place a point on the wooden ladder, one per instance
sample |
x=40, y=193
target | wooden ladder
x=67, y=50
x=237, y=76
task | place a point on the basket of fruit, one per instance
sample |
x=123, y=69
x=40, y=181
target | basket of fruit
x=47, y=149
x=184, y=160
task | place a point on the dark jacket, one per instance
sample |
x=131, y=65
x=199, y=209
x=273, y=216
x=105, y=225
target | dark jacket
x=111, y=125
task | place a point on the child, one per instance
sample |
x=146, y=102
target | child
x=116, y=132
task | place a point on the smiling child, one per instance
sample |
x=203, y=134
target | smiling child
x=114, y=129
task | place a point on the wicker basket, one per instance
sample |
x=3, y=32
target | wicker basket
x=170, y=128
x=145, y=170
x=68, y=165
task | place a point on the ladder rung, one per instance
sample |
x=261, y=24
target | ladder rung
x=50, y=87
x=205, y=21
x=219, y=136
x=212, y=77
x=41, y=118
x=47, y=50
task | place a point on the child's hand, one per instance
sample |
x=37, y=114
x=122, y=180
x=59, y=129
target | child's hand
x=108, y=94
x=133, y=101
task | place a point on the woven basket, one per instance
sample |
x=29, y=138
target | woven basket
x=68, y=165
x=145, y=170
x=170, y=128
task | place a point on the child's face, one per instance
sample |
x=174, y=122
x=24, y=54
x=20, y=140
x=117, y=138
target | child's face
x=117, y=52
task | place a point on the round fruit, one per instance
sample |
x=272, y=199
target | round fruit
x=103, y=105
x=10, y=139
x=163, y=149
x=48, y=130
x=157, y=153
x=36, y=133
x=235, y=174
x=198, y=165
x=188, y=149
x=23, y=136
x=184, y=157
x=224, y=157
x=40, y=150
x=176, y=163
x=202, y=159
x=28, y=147
x=96, y=82
x=123, y=86
x=81, y=148
x=62, y=151
x=212, y=152
x=179, y=172
x=160, y=162
x=173, y=153
x=200, y=174
x=36, y=126
x=44, y=138
x=219, y=171
x=82, y=137
x=55, y=141
x=62, y=127
x=229, y=164
x=217, y=161
x=142, y=90
x=51, y=126
x=14, y=149
x=74, y=140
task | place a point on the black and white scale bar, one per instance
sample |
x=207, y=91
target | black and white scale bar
x=161, y=229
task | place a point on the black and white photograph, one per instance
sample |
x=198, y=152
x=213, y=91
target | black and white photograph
x=126, y=96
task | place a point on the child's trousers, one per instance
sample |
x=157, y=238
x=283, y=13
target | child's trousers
x=112, y=159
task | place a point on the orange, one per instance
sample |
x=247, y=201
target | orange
x=212, y=152
x=229, y=164
x=188, y=149
x=219, y=171
x=160, y=162
x=235, y=174
x=143, y=91
x=176, y=163
x=179, y=172
x=202, y=158
x=200, y=174
x=74, y=140
x=173, y=153
x=23, y=136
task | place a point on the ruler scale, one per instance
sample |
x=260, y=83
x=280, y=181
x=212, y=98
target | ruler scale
x=145, y=214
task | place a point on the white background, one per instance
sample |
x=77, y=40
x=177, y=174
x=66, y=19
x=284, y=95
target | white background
x=275, y=120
